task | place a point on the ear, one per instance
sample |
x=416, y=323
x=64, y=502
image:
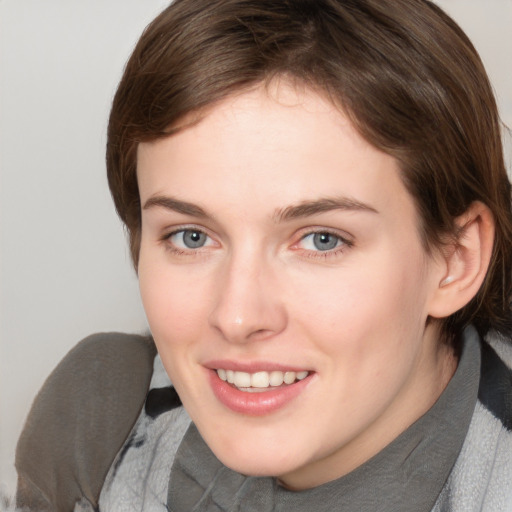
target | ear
x=464, y=263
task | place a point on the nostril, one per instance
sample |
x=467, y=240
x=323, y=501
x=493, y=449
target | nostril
x=261, y=334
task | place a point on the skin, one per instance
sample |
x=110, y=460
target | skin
x=260, y=290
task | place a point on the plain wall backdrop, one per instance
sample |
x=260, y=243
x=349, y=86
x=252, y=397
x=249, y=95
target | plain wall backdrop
x=64, y=266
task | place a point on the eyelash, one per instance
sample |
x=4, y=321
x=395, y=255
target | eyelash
x=344, y=243
x=166, y=239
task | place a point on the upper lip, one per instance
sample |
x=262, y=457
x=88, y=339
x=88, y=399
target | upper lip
x=252, y=366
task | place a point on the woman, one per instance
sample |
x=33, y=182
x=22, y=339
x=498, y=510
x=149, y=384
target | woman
x=320, y=219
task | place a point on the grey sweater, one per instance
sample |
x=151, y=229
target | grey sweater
x=101, y=444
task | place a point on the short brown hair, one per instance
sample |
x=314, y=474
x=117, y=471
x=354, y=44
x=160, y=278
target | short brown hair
x=405, y=73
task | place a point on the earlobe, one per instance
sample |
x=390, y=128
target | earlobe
x=465, y=262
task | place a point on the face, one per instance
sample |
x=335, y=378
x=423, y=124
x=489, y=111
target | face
x=286, y=286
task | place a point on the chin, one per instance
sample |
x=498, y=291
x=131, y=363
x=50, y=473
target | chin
x=256, y=459
x=259, y=467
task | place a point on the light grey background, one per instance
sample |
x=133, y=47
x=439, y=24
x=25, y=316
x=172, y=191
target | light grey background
x=64, y=266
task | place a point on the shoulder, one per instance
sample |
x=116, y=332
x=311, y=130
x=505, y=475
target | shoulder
x=80, y=419
x=495, y=390
x=482, y=474
x=140, y=473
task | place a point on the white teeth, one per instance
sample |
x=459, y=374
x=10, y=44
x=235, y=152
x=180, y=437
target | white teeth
x=289, y=377
x=260, y=379
x=242, y=380
x=276, y=378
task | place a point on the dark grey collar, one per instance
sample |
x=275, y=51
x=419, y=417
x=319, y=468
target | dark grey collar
x=406, y=475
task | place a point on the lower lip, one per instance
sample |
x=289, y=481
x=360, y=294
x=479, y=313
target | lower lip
x=256, y=403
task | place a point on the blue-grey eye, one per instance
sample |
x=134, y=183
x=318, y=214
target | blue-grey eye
x=189, y=239
x=325, y=241
x=194, y=239
x=321, y=241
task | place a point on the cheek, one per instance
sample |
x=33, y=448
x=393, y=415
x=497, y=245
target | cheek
x=368, y=312
x=172, y=302
x=174, y=310
x=353, y=296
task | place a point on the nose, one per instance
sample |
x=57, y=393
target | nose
x=247, y=304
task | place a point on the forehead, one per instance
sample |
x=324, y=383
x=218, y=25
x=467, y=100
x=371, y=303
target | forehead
x=270, y=146
x=259, y=114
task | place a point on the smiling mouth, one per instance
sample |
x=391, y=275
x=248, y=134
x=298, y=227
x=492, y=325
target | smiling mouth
x=260, y=381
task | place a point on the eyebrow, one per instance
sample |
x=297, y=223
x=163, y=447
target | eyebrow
x=303, y=209
x=169, y=203
x=309, y=208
